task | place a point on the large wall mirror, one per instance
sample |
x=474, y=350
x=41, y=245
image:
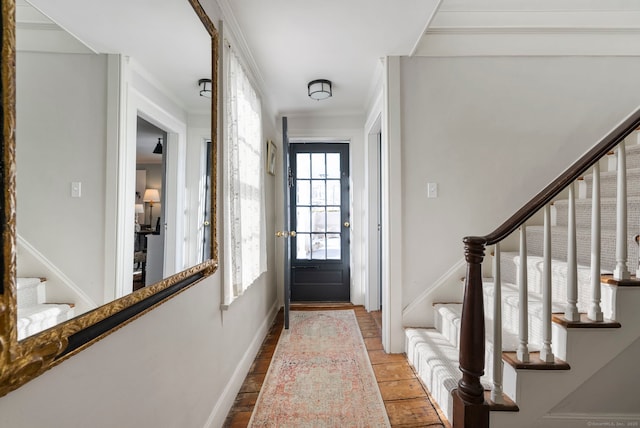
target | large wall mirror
x=108, y=169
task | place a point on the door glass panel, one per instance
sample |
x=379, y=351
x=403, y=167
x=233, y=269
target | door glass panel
x=318, y=165
x=318, y=246
x=319, y=195
x=333, y=165
x=303, y=219
x=333, y=192
x=333, y=246
x=303, y=165
x=303, y=246
x=333, y=219
x=303, y=192
x=318, y=219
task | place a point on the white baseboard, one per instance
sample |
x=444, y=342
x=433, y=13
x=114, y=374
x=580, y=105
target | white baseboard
x=581, y=420
x=227, y=398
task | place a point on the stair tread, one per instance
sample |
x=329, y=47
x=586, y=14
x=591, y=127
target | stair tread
x=42, y=308
x=445, y=360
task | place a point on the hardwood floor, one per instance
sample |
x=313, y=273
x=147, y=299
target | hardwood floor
x=406, y=399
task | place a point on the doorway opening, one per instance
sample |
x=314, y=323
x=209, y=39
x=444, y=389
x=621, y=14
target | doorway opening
x=151, y=143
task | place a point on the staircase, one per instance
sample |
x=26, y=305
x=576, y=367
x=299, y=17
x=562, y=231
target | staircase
x=536, y=351
x=33, y=314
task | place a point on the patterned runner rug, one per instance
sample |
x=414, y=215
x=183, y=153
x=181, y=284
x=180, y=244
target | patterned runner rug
x=320, y=376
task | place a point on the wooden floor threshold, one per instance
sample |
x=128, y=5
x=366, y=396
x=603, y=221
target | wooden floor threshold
x=321, y=306
x=535, y=363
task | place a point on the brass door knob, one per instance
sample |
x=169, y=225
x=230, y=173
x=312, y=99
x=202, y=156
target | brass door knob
x=293, y=233
x=347, y=224
x=279, y=234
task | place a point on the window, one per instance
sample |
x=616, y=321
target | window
x=245, y=256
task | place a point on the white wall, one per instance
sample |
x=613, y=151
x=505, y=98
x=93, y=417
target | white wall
x=492, y=132
x=61, y=138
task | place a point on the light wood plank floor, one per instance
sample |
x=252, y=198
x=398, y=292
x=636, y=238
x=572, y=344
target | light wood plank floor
x=406, y=399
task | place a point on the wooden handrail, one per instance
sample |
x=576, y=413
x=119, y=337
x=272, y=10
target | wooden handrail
x=469, y=408
x=604, y=146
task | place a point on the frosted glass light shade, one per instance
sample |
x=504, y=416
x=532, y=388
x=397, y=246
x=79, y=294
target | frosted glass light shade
x=319, y=89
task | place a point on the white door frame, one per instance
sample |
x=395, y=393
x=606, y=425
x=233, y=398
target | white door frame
x=134, y=104
x=373, y=279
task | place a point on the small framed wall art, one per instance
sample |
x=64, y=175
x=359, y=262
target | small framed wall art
x=271, y=157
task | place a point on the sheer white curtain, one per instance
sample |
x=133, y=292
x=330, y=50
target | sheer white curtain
x=245, y=256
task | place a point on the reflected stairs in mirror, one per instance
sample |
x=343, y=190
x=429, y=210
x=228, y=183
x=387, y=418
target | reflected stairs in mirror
x=34, y=315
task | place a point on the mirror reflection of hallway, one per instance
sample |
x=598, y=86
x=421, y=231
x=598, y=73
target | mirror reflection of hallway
x=149, y=218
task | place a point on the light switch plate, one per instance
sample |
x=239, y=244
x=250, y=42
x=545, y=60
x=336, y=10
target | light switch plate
x=76, y=189
x=432, y=190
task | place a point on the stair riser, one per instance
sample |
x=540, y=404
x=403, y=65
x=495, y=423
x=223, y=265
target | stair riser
x=560, y=213
x=510, y=266
x=608, y=185
x=535, y=247
x=632, y=159
x=31, y=291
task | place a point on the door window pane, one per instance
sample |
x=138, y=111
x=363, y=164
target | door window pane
x=318, y=219
x=333, y=246
x=333, y=165
x=333, y=192
x=303, y=246
x=303, y=219
x=318, y=165
x=318, y=246
x=303, y=166
x=303, y=192
x=318, y=192
x=333, y=219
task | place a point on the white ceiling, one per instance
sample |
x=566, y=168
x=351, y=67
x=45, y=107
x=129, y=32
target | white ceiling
x=295, y=41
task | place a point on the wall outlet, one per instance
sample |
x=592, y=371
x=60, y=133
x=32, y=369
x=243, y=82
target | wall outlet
x=432, y=190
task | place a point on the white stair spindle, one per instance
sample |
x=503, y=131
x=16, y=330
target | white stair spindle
x=496, y=392
x=546, y=354
x=523, y=293
x=571, y=311
x=595, y=312
x=621, y=271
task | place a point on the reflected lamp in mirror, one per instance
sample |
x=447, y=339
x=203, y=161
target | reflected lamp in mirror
x=151, y=196
x=205, y=87
x=139, y=210
x=158, y=149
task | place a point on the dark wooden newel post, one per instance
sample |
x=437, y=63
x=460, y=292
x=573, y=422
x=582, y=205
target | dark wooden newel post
x=469, y=408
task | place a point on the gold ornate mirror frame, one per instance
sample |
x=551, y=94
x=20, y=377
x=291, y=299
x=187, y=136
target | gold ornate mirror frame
x=21, y=361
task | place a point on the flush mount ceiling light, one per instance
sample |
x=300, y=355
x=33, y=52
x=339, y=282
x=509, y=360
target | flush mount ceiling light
x=158, y=149
x=319, y=89
x=205, y=87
